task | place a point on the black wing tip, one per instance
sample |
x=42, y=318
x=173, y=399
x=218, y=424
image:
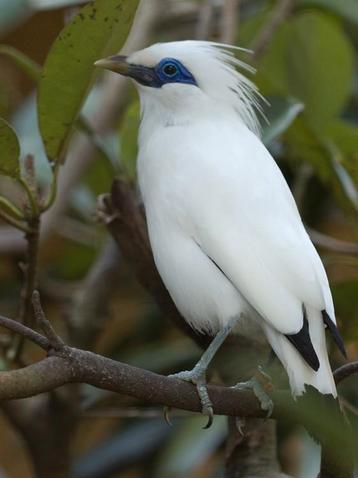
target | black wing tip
x=334, y=332
x=302, y=342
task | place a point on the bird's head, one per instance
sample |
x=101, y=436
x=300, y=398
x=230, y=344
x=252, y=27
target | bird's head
x=190, y=74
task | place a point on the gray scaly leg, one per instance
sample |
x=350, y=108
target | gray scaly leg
x=197, y=375
x=256, y=384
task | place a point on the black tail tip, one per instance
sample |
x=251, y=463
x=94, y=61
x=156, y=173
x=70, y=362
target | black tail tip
x=334, y=332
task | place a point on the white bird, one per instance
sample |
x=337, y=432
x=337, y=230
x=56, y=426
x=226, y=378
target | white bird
x=226, y=234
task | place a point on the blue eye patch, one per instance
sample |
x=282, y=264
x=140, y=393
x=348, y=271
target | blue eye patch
x=170, y=70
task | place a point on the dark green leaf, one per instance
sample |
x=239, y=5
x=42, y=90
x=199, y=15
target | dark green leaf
x=345, y=135
x=99, y=29
x=346, y=182
x=310, y=58
x=319, y=66
x=29, y=66
x=345, y=296
x=347, y=9
x=9, y=151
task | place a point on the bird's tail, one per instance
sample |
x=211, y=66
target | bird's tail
x=300, y=373
x=315, y=390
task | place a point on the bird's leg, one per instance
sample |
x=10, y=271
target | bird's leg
x=260, y=383
x=197, y=375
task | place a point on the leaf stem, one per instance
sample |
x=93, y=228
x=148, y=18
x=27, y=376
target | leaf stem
x=31, y=196
x=11, y=208
x=53, y=189
x=14, y=222
x=25, y=315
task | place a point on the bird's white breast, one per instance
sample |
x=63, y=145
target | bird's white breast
x=211, y=190
x=172, y=179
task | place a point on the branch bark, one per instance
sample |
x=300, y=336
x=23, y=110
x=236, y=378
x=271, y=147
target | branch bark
x=71, y=365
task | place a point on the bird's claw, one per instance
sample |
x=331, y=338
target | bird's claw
x=258, y=386
x=197, y=377
x=240, y=423
x=166, y=415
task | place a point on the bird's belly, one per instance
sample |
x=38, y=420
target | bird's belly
x=201, y=292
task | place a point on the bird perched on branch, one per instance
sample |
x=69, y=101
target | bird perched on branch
x=226, y=234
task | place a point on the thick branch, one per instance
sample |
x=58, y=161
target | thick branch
x=70, y=365
x=77, y=365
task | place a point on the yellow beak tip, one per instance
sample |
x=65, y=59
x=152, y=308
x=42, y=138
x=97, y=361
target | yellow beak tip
x=101, y=63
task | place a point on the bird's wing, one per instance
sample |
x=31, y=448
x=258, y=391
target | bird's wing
x=250, y=227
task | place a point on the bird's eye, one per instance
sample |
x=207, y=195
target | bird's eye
x=170, y=69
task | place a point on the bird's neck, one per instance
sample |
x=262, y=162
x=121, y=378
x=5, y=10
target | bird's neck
x=182, y=110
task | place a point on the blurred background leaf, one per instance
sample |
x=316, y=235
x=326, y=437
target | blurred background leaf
x=9, y=151
x=98, y=30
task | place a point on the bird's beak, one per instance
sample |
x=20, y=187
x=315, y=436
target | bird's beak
x=116, y=63
x=119, y=64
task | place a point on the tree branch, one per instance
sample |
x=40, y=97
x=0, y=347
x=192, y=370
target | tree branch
x=279, y=14
x=345, y=371
x=26, y=332
x=229, y=21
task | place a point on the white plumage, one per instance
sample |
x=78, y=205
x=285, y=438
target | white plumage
x=225, y=231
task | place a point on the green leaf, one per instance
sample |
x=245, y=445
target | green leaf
x=30, y=67
x=302, y=144
x=325, y=156
x=99, y=29
x=345, y=135
x=280, y=114
x=310, y=58
x=345, y=295
x=4, y=100
x=348, y=187
x=347, y=9
x=9, y=151
x=319, y=66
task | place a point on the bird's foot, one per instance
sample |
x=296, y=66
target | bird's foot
x=198, y=378
x=260, y=384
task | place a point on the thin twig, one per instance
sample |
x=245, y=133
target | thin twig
x=349, y=406
x=331, y=243
x=25, y=332
x=205, y=20
x=55, y=341
x=30, y=282
x=13, y=222
x=280, y=12
x=91, y=303
x=345, y=371
x=229, y=21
